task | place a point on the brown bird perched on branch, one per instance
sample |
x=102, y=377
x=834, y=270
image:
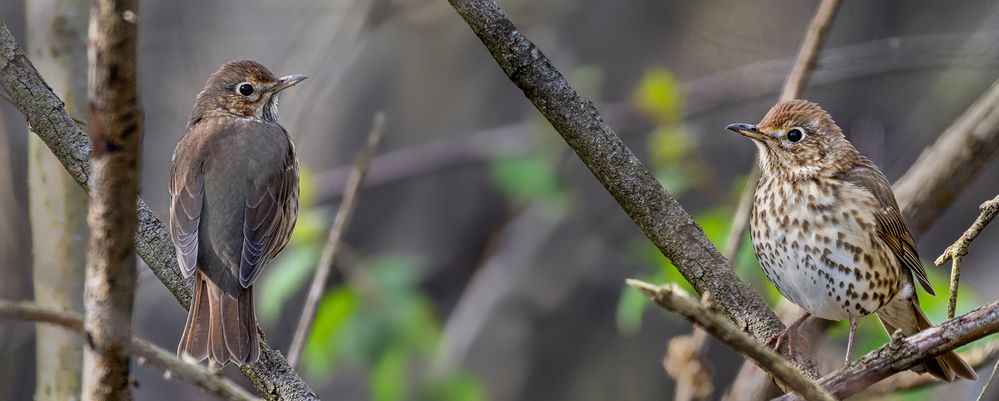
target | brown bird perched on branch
x=233, y=204
x=828, y=232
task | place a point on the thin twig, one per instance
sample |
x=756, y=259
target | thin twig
x=976, y=357
x=903, y=353
x=674, y=299
x=959, y=248
x=145, y=351
x=340, y=223
x=804, y=63
x=989, y=384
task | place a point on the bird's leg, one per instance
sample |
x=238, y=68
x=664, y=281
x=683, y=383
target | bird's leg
x=788, y=335
x=849, y=340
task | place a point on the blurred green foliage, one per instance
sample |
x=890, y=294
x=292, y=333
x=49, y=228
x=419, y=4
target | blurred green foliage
x=378, y=319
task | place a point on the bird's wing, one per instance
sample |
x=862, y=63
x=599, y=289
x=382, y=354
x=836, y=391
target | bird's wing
x=186, y=194
x=890, y=225
x=266, y=227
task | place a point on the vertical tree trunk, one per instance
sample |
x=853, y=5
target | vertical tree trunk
x=57, y=44
x=115, y=132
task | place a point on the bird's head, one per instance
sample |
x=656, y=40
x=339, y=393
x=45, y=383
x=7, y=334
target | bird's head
x=242, y=88
x=798, y=140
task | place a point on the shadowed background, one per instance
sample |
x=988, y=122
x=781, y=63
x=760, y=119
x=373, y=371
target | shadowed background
x=484, y=262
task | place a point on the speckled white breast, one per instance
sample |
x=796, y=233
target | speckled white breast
x=817, y=244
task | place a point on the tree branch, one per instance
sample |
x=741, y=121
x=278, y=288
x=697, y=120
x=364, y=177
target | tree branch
x=199, y=375
x=959, y=248
x=945, y=168
x=654, y=210
x=676, y=300
x=271, y=376
x=902, y=353
x=116, y=133
x=340, y=223
x=977, y=357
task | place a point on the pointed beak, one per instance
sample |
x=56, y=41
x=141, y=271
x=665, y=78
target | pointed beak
x=749, y=131
x=287, y=82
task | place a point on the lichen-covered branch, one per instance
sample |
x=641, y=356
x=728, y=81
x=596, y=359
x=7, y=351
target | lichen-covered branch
x=144, y=350
x=959, y=248
x=660, y=217
x=902, y=353
x=43, y=110
x=674, y=299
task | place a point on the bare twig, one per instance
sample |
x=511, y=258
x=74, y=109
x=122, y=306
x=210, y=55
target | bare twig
x=959, y=248
x=271, y=376
x=146, y=352
x=674, y=299
x=652, y=208
x=804, y=63
x=909, y=380
x=686, y=364
x=340, y=223
x=117, y=137
x=989, y=384
x=903, y=353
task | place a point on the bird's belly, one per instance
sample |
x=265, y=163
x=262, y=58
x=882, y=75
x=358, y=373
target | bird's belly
x=821, y=255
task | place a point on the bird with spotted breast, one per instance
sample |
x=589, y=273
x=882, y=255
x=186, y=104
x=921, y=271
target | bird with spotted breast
x=828, y=233
x=233, y=205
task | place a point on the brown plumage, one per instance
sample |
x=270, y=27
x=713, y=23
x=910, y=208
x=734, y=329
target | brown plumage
x=828, y=232
x=233, y=204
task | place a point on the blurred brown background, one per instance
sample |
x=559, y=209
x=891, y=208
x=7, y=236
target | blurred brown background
x=516, y=252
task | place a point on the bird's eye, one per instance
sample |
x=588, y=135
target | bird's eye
x=245, y=89
x=795, y=135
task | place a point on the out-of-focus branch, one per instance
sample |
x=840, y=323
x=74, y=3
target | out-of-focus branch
x=340, y=223
x=674, y=299
x=686, y=364
x=116, y=134
x=804, y=63
x=146, y=352
x=945, y=168
x=959, y=248
x=652, y=208
x=902, y=353
x=976, y=357
x=271, y=376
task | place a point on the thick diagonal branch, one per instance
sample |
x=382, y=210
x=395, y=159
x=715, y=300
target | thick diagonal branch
x=655, y=211
x=271, y=376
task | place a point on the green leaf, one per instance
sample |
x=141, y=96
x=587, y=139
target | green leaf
x=630, y=308
x=335, y=311
x=454, y=387
x=288, y=275
x=388, y=380
x=524, y=178
x=669, y=144
x=659, y=95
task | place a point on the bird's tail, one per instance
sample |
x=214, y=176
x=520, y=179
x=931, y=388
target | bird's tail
x=220, y=326
x=905, y=314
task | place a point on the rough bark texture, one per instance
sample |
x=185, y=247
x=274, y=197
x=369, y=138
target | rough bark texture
x=904, y=353
x=148, y=353
x=56, y=36
x=116, y=134
x=940, y=174
x=654, y=210
x=45, y=114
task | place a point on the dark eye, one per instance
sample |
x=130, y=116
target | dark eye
x=795, y=135
x=245, y=89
